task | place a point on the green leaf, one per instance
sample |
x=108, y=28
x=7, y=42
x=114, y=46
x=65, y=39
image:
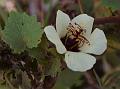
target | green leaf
x=55, y=67
x=54, y=62
x=113, y=4
x=67, y=79
x=22, y=31
x=41, y=51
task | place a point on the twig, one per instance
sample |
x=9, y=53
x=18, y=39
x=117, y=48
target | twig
x=98, y=79
x=104, y=20
x=81, y=6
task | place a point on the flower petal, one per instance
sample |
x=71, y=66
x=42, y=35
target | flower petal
x=86, y=22
x=78, y=61
x=62, y=22
x=98, y=43
x=54, y=38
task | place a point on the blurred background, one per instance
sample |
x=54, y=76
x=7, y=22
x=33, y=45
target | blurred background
x=106, y=72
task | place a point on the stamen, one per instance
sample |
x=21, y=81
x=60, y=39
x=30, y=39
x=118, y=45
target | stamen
x=75, y=38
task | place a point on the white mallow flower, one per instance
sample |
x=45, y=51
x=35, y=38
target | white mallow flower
x=75, y=39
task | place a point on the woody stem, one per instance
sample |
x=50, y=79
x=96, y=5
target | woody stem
x=104, y=20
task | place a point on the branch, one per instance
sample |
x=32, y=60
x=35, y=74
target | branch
x=104, y=20
x=80, y=6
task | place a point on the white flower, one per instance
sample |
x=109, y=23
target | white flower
x=10, y=5
x=75, y=38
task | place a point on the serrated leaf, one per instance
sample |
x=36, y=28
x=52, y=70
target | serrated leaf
x=22, y=32
x=55, y=67
x=54, y=63
x=41, y=51
x=113, y=4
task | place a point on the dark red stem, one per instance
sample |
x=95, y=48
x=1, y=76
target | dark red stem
x=104, y=20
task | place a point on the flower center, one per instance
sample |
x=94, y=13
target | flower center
x=74, y=38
